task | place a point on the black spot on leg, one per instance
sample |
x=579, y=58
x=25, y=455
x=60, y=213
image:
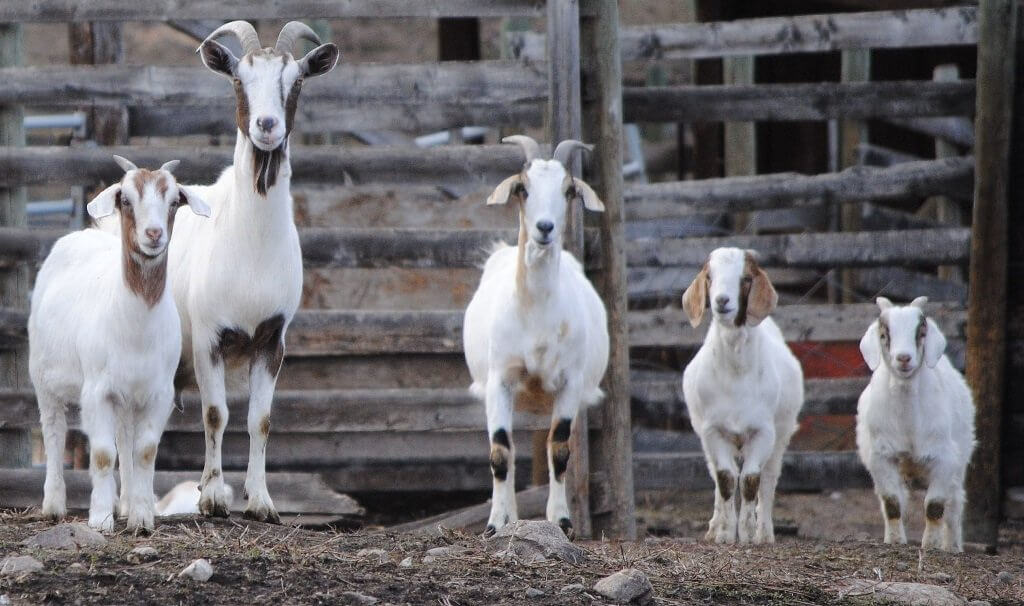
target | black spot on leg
x=934, y=510
x=213, y=419
x=499, y=462
x=268, y=343
x=726, y=484
x=500, y=437
x=751, y=484
x=561, y=431
x=566, y=525
x=892, y=507
x=558, y=444
x=489, y=531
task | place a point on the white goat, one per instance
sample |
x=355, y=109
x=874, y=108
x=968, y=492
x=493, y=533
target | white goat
x=104, y=333
x=237, y=280
x=915, y=420
x=183, y=499
x=535, y=333
x=744, y=389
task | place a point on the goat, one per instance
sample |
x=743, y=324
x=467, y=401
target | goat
x=103, y=331
x=236, y=309
x=183, y=499
x=915, y=420
x=535, y=333
x=744, y=389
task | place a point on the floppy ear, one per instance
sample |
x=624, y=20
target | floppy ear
x=762, y=298
x=934, y=344
x=217, y=57
x=590, y=199
x=696, y=296
x=869, y=347
x=187, y=195
x=320, y=60
x=104, y=202
x=505, y=190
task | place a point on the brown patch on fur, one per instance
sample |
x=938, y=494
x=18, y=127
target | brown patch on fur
x=242, y=105
x=757, y=295
x=521, y=289
x=914, y=474
x=266, y=344
x=558, y=445
x=499, y=462
x=751, y=484
x=533, y=398
x=696, y=296
x=149, y=454
x=290, y=105
x=892, y=507
x=213, y=419
x=934, y=510
x=144, y=275
x=726, y=484
x=265, y=426
x=102, y=460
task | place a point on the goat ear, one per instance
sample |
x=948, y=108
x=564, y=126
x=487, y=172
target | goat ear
x=504, y=191
x=762, y=298
x=934, y=344
x=590, y=199
x=217, y=57
x=320, y=60
x=870, y=348
x=919, y=302
x=883, y=303
x=103, y=204
x=696, y=296
x=196, y=204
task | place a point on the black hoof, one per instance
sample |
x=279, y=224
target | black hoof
x=566, y=525
x=218, y=511
x=489, y=531
x=268, y=517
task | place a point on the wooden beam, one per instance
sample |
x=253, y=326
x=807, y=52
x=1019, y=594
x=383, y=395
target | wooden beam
x=787, y=102
x=614, y=443
x=947, y=210
x=169, y=10
x=956, y=130
x=294, y=492
x=855, y=67
x=986, y=323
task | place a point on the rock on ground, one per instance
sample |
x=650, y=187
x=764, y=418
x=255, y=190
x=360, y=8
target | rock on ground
x=73, y=535
x=199, y=570
x=534, y=541
x=359, y=599
x=142, y=553
x=913, y=594
x=626, y=586
x=17, y=565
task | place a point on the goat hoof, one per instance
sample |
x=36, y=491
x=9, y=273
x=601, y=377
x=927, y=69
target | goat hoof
x=214, y=510
x=268, y=516
x=566, y=525
x=489, y=531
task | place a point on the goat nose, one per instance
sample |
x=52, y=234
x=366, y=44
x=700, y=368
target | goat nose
x=154, y=233
x=722, y=300
x=545, y=227
x=266, y=123
x=903, y=358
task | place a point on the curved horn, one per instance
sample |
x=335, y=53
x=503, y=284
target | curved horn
x=292, y=31
x=530, y=147
x=169, y=166
x=563, y=153
x=125, y=163
x=243, y=30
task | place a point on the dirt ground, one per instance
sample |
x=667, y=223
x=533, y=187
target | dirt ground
x=258, y=563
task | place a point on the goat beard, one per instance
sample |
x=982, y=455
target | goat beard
x=266, y=165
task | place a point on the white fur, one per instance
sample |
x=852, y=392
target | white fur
x=556, y=330
x=916, y=411
x=183, y=499
x=744, y=390
x=93, y=341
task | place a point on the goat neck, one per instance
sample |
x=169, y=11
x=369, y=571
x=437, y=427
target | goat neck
x=536, y=266
x=247, y=207
x=735, y=346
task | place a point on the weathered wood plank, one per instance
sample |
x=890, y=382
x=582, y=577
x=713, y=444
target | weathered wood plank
x=785, y=102
x=530, y=502
x=646, y=283
x=921, y=247
x=293, y=492
x=317, y=164
x=801, y=471
x=784, y=35
x=187, y=100
x=168, y=10
x=780, y=190
x=953, y=130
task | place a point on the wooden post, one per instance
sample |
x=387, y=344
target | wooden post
x=740, y=139
x=612, y=448
x=856, y=67
x=947, y=210
x=986, y=318
x=564, y=122
x=15, y=445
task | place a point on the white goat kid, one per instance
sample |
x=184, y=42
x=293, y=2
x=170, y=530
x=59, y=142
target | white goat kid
x=103, y=332
x=915, y=420
x=535, y=333
x=744, y=389
x=237, y=280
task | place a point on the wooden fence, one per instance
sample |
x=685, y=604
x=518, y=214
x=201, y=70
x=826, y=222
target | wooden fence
x=374, y=400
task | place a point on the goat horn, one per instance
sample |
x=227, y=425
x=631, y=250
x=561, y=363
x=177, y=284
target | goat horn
x=530, y=147
x=125, y=163
x=563, y=153
x=170, y=165
x=292, y=31
x=243, y=30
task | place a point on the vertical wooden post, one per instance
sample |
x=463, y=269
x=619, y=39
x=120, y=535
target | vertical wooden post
x=564, y=122
x=856, y=67
x=947, y=211
x=15, y=445
x=740, y=141
x=612, y=449
x=707, y=136
x=986, y=301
